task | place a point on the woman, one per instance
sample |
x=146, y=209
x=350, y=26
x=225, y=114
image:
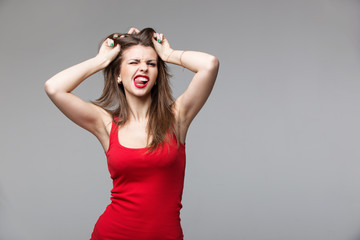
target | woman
x=140, y=127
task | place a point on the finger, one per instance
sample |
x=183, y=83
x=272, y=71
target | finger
x=109, y=42
x=158, y=38
x=115, y=36
x=162, y=37
x=133, y=30
x=154, y=40
x=117, y=47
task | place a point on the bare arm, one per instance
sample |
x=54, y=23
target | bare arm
x=60, y=86
x=205, y=67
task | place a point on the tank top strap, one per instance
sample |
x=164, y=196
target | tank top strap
x=113, y=133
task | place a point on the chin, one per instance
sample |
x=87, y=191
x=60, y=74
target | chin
x=141, y=93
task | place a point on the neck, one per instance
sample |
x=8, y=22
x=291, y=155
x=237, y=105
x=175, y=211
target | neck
x=138, y=107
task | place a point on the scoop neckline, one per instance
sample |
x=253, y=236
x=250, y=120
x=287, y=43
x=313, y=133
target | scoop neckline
x=141, y=148
x=132, y=148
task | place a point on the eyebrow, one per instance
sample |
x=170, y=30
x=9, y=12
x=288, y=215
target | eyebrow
x=138, y=60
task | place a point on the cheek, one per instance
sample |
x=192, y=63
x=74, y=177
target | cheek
x=125, y=72
x=155, y=74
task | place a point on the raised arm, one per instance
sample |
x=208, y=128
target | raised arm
x=205, y=67
x=60, y=86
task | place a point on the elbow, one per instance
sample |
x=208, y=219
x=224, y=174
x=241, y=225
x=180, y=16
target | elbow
x=213, y=64
x=49, y=89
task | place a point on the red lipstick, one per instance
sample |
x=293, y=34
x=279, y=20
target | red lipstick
x=140, y=81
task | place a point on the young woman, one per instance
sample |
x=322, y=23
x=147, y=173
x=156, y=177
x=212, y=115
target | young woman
x=141, y=128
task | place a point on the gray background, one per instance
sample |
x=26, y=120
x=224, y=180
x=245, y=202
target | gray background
x=273, y=155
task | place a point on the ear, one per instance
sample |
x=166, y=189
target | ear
x=119, y=79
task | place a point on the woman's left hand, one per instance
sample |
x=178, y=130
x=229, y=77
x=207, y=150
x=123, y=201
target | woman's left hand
x=162, y=46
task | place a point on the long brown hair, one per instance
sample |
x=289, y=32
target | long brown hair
x=113, y=99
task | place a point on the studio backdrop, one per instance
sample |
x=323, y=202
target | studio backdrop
x=273, y=155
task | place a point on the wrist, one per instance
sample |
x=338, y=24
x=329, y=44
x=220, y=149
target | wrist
x=170, y=52
x=175, y=57
x=101, y=61
x=166, y=55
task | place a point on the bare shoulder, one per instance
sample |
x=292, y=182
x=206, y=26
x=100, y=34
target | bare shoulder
x=104, y=126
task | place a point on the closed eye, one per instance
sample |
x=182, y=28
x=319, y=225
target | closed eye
x=151, y=63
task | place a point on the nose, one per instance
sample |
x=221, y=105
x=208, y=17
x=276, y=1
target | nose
x=143, y=67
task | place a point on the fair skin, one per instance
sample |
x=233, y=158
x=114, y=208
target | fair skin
x=137, y=66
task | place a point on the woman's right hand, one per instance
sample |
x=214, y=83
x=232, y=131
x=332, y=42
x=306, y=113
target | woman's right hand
x=108, y=51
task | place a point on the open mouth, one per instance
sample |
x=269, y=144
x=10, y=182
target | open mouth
x=140, y=81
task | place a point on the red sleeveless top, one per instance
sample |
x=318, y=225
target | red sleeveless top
x=147, y=192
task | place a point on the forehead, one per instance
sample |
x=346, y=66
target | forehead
x=140, y=52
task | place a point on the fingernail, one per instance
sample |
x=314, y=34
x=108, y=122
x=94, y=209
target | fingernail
x=111, y=44
x=159, y=40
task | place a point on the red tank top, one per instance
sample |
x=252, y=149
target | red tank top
x=147, y=192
